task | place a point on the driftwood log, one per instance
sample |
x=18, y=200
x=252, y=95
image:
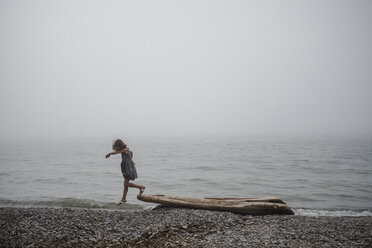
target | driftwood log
x=245, y=206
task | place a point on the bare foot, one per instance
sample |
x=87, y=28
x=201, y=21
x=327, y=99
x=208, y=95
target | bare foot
x=121, y=202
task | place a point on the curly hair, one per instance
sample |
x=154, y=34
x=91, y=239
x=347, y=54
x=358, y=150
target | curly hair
x=118, y=145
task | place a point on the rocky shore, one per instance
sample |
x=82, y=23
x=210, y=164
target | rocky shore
x=168, y=227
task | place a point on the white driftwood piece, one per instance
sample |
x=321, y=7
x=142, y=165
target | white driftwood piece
x=246, y=206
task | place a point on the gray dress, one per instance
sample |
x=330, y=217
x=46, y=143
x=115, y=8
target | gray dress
x=127, y=167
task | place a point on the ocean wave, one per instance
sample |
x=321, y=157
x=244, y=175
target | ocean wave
x=70, y=203
x=333, y=213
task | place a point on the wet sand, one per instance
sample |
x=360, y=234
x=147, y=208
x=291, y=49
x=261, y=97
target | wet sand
x=170, y=227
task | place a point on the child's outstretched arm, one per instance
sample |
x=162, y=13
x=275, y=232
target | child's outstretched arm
x=125, y=150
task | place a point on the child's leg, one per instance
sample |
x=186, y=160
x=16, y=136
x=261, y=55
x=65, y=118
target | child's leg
x=125, y=191
x=132, y=185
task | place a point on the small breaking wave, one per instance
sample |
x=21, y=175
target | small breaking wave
x=333, y=213
x=70, y=203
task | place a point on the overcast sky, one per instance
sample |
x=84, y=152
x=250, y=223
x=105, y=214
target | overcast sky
x=200, y=67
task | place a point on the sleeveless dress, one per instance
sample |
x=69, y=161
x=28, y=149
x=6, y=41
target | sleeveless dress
x=127, y=167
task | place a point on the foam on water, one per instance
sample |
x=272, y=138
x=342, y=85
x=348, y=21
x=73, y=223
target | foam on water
x=71, y=203
x=333, y=213
x=91, y=204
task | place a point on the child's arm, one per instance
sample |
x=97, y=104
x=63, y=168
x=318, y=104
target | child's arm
x=125, y=150
x=131, y=156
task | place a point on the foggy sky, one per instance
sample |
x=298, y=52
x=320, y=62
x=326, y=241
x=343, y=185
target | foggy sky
x=154, y=67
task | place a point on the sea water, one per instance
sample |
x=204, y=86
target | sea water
x=315, y=176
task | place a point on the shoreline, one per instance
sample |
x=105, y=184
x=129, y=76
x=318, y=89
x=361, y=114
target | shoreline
x=175, y=227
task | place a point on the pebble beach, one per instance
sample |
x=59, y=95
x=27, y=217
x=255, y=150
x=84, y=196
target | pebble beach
x=175, y=227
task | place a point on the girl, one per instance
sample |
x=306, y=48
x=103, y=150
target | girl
x=127, y=167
